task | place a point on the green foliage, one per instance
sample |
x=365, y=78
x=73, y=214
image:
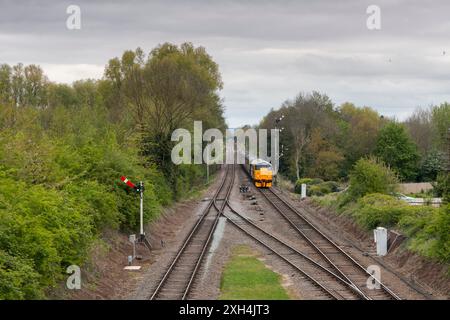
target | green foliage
x=377, y=209
x=316, y=186
x=324, y=159
x=441, y=124
x=322, y=189
x=429, y=232
x=359, y=128
x=427, y=228
x=441, y=187
x=369, y=176
x=64, y=147
x=166, y=90
x=59, y=188
x=18, y=279
x=247, y=278
x=307, y=181
x=397, y=150
x=432, y=163
x=328, y=200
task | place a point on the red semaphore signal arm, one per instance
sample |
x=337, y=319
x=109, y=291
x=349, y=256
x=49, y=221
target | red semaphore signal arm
x=128, y=182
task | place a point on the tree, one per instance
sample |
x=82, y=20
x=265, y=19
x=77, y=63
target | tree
x=35, y=86
x=5, y=84
x=326, y=159
x=163, y=92
x=441, y=124
x=441, y=187
x=432, y=163
x=359, y=132
x=301, y=116
x=420, y=128
x=397, y=150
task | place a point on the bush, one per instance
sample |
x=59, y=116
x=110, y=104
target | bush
x=59, y=189
x=376, y=209
x=307, y=181
x=323, y=188
x=442, y=186
x=427, y=228
x=18, y=279
x=429, y=232
x=369, y=176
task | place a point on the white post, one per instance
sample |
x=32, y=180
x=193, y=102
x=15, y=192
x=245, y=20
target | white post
x=381, y=240
x=141, y=217
x=132, y=239
x=303, y=196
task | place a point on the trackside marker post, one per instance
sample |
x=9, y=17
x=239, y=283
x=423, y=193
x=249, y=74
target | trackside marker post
x=139, y=189
x=141, y=210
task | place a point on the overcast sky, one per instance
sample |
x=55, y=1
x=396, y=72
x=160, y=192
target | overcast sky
x=268, y=51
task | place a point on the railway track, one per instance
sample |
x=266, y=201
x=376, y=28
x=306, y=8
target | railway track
x=329, y=272
x=322, y=283
x=178, y=279
x=330, y=254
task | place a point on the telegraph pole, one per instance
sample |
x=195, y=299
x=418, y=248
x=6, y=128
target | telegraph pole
x=276, y=150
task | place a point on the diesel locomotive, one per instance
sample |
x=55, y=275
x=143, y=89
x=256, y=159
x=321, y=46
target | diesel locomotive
x=260, y=171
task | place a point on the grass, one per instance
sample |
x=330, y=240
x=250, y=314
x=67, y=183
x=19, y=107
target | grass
x=327, y=200
x=246, y=278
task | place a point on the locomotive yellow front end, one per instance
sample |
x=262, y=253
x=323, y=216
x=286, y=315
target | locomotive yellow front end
x=263, y=175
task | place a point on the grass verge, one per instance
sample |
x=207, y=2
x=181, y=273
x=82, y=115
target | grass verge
x=245, y=278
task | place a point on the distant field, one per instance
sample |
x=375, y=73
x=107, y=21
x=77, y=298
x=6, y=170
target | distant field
x=245, y=278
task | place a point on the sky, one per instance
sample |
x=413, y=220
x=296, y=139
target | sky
x=267, y=51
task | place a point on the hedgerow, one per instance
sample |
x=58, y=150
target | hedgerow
x=59, y=189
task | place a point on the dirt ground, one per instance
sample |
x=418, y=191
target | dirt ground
x=104, y=278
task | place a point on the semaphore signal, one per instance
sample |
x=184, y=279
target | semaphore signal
x=140, y=188
x=128, y=182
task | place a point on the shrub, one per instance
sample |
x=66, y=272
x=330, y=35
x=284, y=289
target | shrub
x=18, y=279
x=307, y=181
x=376, y=209
x=304, y=180
x=59, y=189
x=323, y=188
x=442, y=186
x=429, y=230
x=369, y=176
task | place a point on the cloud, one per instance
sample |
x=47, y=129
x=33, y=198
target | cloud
x=69, y=73
x=268, y=51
